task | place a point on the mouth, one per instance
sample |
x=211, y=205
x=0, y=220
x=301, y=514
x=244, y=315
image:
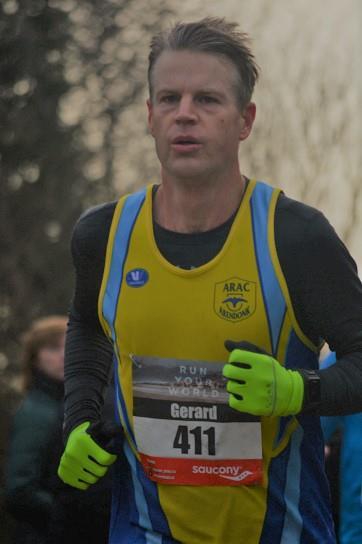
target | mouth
x=185, y=144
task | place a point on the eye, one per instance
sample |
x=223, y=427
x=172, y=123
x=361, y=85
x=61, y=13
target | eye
x=169, y=99
x=208, y=99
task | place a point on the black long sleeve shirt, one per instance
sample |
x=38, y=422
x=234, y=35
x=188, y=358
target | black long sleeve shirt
x=322, y=279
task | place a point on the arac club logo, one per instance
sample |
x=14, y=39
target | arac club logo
x=235, y=299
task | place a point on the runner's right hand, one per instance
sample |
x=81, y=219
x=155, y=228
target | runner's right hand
x=83, y=461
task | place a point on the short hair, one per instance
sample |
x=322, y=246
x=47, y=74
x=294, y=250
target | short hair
x=215, y=36
x=41, y=333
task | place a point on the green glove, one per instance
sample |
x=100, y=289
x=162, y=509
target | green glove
x=258, y=384
x=83, y=461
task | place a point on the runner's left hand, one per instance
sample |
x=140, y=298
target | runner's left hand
x=259, y=385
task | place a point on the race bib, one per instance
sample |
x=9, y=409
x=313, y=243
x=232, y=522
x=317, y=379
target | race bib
x=185, y=431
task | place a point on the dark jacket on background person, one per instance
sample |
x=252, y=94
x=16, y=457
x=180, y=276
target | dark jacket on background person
x=46, y=510
x=34, y=450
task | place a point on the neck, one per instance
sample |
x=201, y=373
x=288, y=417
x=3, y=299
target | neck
x=195, y=207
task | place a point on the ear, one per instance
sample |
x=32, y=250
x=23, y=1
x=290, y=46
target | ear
x=247, y=120
x=150, y=115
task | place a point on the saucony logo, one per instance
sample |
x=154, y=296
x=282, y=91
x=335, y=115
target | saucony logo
x=239, y=477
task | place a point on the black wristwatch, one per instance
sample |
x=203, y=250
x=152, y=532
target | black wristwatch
x=312, y=390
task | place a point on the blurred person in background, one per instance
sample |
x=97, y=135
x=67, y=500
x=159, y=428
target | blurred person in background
x=349, y=474
x=46, y=510
x=35, y=438
x=223, y=285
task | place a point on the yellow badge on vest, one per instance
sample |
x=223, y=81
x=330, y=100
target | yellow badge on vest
x=235, y=299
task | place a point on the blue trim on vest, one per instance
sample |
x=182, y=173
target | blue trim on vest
x=297, y=503
x=297, y=352
x=293, y=522
x=299, y=355
x=157, y=517
x=124, y=524
x=275, y=511
x=283, y=522
x=126, y=222
x=147, y=516
x=315, y=499
x=123, y=527
x=129, y=214
x=130, y=524
x=283, y=424
x=293, y=482
x=272, y=294
x=121, y=406
x=140, y=500
x=146, y=503
x=115, y=390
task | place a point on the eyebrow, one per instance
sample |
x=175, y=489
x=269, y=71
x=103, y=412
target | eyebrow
x=204, y=90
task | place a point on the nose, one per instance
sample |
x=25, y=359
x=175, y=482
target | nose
x=186, y=112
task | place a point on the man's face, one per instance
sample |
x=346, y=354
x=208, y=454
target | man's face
x=194, y=115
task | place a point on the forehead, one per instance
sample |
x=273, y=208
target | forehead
x=192, y=70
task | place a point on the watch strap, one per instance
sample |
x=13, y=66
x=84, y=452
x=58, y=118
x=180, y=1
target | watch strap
x=312, y=389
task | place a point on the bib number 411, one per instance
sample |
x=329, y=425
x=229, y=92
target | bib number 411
x=199, y=441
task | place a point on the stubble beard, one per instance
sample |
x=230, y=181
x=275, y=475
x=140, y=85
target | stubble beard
x=188, y=174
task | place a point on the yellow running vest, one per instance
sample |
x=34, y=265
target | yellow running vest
x=158, y=315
